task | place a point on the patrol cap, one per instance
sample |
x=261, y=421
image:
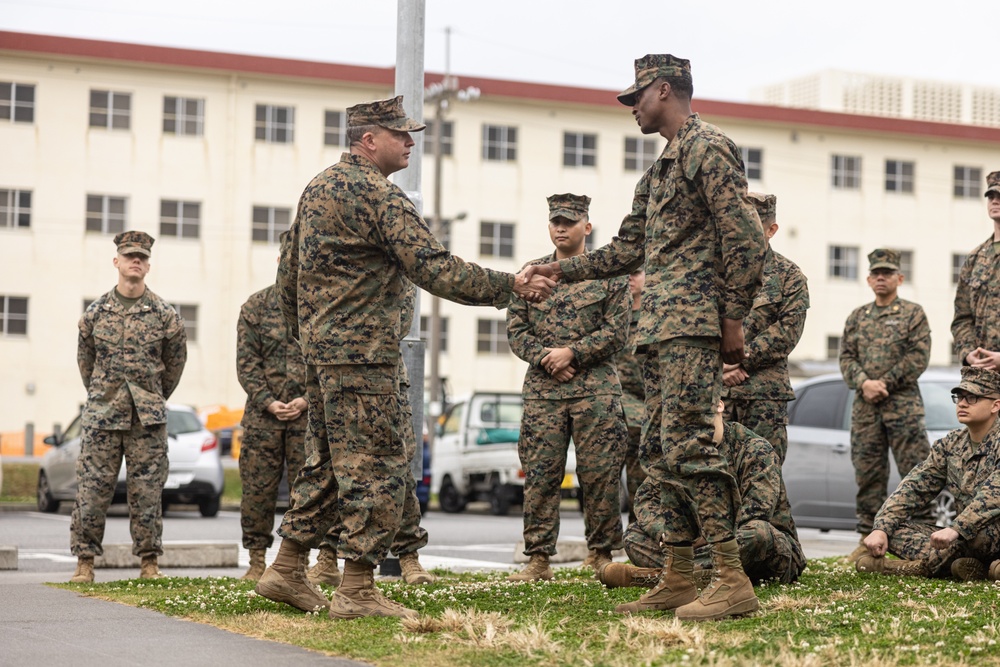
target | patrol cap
x=883, y=258
x=134, y=242
x=766, y=206
x=571, y=207
x=383, y=113
x=979, y=381
x=649, y=68
x=992, y=183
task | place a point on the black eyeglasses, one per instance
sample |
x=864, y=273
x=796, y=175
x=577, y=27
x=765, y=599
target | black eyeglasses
x=971, y=399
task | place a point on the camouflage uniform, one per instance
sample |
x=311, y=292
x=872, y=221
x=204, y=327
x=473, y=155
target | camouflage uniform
x=357, y=236
x=893, y=344
x=695, y=228
x=769, y=543
x=590, y=317
x=270, y=368
x=629, y=365
x=130, y=361
x=771, y=330
x=971, y=474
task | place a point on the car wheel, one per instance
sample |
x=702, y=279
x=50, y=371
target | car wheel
x=46, y=503
x=944, y=509
x=450, y=500
x=209, y=507
x=499, y=499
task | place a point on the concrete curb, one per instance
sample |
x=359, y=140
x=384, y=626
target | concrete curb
x=175, y=554
x=567, y=551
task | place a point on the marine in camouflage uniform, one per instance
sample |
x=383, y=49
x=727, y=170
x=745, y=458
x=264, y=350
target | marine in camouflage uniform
x=629, y=365
x=587, y=321
x=693, y=225
x=343, y=274
x=270, y=368
x=757, y=389
x=966, y=463
x=765, y=531
x=885, y=347
x=131, y=352
x=976, y=326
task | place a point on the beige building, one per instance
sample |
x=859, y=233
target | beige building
x=209, y=153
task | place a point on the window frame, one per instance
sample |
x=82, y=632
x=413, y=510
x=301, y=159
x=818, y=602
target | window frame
x=502, y=148
x=110, y=111
x=851, y=264
x=636, y=154
x=969, y=184
x=180, y=220
x=181, y=118
x=11, y=106
x=494, y=244
x=190, y=323
x=338, y=131
x=845, y=172
x=273, y=234
x=268, y=129
x=495, y=340
x=754, y=168
x=902, y=183
x=6, y=316
x=106, y=214
x=447, y=138
x=576, y=153
x=12, y=209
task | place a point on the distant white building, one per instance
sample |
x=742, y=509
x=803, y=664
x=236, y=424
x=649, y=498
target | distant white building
x=209, y=153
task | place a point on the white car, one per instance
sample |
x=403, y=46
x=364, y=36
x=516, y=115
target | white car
x=195, y=475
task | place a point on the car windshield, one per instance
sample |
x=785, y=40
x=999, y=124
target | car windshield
x=939, y=411
x=187, y=422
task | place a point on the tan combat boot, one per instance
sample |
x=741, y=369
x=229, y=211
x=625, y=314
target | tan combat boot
x=536, y=569
x=285, y=580
x=882, y=565
x=596, y=559
x=148, y=568
x=730, y=593
x=84, y=573
x=325, y=571
x=257, y=565
x=622, y=575
x=674, y=588
x=859, y=551
x=357, y=596
x=994, y=572
x=968, y=569
x=702, y=577
x=413, y=571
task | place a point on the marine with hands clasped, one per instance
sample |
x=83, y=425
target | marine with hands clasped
x=131, y=352
x=343, y=274
x=695, y=229
x=885, y=347
x=571, y=391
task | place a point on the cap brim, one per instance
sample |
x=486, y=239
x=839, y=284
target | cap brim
x=134, y=250
x=575, y=216
x=994, y=188
x=627, y=96
x=403, y=125
x=883, y=265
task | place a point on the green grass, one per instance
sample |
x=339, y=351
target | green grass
x=20, y=480
x=833, y=616
x=232, y=487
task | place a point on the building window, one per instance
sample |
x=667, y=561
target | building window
x=906, y=264
x=846, y=172
x=496, y=239
x=967, y=182
x=15, y=209
x=106, y=214
x=13, y=316
x=957, y=262
x=184, y=116
x=579, y=149
x=180, y=218
x=447, y=138
x=491, y=337
x=17, y=102
x=110, y=110
x=443, y=235
x=898, y=176
x=274, y=124
x=188, y=313
x=843, y=262
x=335, y=129
x=753, y=160
x=269, y=222
x=499, y=143
x=640, y=153
x=833, y=347
x=86, y=303
x=425, y=330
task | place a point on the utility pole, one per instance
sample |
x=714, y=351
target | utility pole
x=410, y=19
x=440, y=95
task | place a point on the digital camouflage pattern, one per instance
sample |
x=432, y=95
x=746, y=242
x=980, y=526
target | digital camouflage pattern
x=130, y=361
x=359, y=236
x=649, y=68
x=892, y=344
x=977, y=302
x=591, y=318
x=629, y=365
x=134, y=242
x=698, y=236
x=768, y=542
x=972, y=475
x=270, y=368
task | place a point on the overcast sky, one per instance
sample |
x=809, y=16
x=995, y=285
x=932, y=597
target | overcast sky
x=734, y=45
